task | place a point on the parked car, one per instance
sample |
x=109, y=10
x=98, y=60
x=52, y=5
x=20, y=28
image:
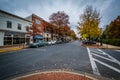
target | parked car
x=88, y=42
x=66, y=41
x=49, y=42
x=59, y=42
x=53, y=41
x=37, y=44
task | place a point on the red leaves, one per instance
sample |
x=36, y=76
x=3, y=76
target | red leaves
x=59, y=19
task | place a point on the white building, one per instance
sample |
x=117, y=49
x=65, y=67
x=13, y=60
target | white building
x=13, y=29
x=47, y=36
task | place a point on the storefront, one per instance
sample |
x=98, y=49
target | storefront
x=13, y=30
x=12, y=38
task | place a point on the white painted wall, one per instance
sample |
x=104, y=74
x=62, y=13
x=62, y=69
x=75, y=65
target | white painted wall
x=47, y=35
x=5, y=17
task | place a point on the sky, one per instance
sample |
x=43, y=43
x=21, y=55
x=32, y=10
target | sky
x=108, y=9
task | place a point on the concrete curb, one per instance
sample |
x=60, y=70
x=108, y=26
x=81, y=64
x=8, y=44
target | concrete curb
x=9, y=50
x=100, y=47
x=91, y=76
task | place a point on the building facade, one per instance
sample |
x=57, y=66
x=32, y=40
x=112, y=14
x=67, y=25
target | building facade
x=13, y=29
x=40, y=27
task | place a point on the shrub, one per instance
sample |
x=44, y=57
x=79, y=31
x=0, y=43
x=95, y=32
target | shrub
x=115, y=42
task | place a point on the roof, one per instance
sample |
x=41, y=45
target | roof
x=13, y=15
x=37, y=16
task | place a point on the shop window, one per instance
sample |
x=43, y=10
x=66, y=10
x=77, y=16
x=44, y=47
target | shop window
x=9, y=24
x=7, y=40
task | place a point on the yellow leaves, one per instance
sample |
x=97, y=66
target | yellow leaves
x=89, y=24
x=89, y=29
x=84, y=36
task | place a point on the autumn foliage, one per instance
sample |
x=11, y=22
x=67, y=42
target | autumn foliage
x=61, y=21
x=89, y=23
x=58, y=25
x=113, y=29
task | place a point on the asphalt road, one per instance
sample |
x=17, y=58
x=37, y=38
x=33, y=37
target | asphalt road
x=61, y=56
x=105, y=63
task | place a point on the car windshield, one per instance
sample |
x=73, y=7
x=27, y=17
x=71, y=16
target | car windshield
x=36, y=41
x=59, y=39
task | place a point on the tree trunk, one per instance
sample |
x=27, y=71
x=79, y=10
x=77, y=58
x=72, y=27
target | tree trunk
x=89, y=39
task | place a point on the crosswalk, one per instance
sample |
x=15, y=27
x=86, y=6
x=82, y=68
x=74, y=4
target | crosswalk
x=103, y=58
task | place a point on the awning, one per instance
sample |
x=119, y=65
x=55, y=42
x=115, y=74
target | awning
x=38, y=37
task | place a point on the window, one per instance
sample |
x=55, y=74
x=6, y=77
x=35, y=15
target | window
x=37, y=21
x=7, y=40
x=47, y=29
x=19, y=26
x=9, y=24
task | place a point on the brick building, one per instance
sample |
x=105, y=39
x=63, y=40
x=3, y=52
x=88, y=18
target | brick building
x=40, y=27
x=37, y=26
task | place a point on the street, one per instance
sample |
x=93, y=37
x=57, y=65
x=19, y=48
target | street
x=61, y=56
x=105, y=62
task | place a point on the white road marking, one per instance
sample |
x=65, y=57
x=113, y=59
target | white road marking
x=101, y=51
x=115, y=60
x=111, y=67
x=104, y=58
x=96, y=52
x=93, y=64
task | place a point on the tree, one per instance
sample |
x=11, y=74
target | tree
x=89, y=23
x=72, y=35
x=66, y=30
x=113, y=29
x=104, y=34
x=60, y=19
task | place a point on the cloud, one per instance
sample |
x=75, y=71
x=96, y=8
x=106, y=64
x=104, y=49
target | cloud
x=109, y=9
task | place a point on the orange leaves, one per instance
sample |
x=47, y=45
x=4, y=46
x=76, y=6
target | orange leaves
x=59, y=19
x=113, y=29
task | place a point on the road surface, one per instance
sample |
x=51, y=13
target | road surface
x=61, y=56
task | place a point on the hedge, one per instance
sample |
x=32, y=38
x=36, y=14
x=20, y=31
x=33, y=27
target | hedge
x=115, y=42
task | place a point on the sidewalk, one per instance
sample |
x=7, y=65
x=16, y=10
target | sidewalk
x=12, y=48
x=104, y=46
x=107, y=46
